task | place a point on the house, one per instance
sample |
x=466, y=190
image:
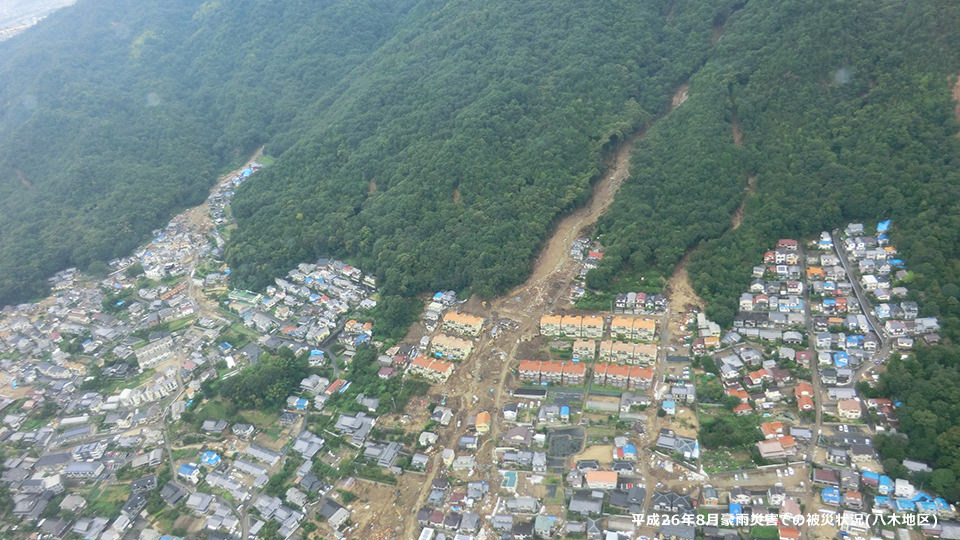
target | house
x=849, y=409
x=463, y=323
x=668, y=501
x=830, y=496
x=482, y=423
x=601, y=479
x=742, y=409
x=771, y=430
x=523, y=505
x=334, y=514
x=853, y=499
x=189, y=472
x=436, y=371
x=451, y=348
x=586, y=502
x=771, y=449
x=550, y=325
x=828, y=477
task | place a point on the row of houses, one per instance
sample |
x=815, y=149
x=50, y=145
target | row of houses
x=555, y=372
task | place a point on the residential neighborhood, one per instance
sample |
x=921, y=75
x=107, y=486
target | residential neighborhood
x=522, y=419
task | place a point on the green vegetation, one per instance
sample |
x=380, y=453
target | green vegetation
x=828, y=134
x=724, y=430
x=846, y=115
x=266, y=384
x=928, y=383
x=446, y=160
x=117, y=115
x=393, y=393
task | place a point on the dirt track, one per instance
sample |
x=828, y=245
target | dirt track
x=956, y=97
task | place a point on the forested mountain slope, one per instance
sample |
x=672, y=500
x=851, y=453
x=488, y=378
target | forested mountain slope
x=846, y=115
x=114, y=114
x=445, y=159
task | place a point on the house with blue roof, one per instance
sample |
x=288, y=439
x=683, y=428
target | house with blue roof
x=301, y=404
x=735, y=510
x=885, y=485
x=830, y=495
x=841, y=359
x=670, y=407
x=854, y=341
x=904, y=505
x=942, y=505
x=210, y=458
x=926, y=507
x=189, y=471
x=225, y=347
x=565, y=413
x=881, y=504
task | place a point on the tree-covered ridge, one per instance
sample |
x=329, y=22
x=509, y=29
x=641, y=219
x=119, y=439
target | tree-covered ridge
x=115, y=114
x=448, y=155
x=846, y=115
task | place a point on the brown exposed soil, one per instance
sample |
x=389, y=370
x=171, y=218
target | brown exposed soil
x=23, y=179
x=737, y=132
x=373, y=187
x=456, y=196
x=479, y=383
x=717, y=32
x=956, y=97
x=739, y=213
x=679, y=97
x=680, y=291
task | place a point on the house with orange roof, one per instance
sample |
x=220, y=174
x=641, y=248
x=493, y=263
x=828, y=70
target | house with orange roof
x=585, y=350
x=622, y=352
x=592, y=326
x=849, y=409
x=601, y=479
x=550, y=325
x=483, y=422
x=815, y=272
x=606, y=351
x=644, y=328
x=571, y=325
x=574, y=373
x=645, y=353
x=551, y=372
x=640, y=377
x=805, y=403
x=430, y=369
x=771, y=429
x=740, y=393
x=529, y=370
x=788, y=443
x=757, y=377
x=451, y=348
x=613, y=375
x=802, y=388
x=622, y=326
x=742, y=409
x=463, y=323
x=789, y=533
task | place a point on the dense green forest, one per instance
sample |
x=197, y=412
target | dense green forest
x=445, y=160
x=846, y=114
x=116, y=114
